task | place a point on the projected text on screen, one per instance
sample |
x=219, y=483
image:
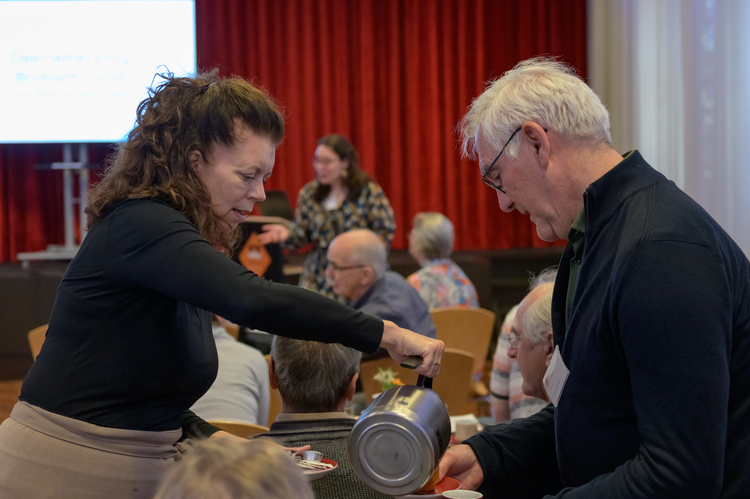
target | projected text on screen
x=75, y=71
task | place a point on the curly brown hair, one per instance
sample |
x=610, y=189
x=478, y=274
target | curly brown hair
x=181, y=115
x=355, y=178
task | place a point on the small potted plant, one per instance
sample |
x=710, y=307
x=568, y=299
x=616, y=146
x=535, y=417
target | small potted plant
x=387, y=378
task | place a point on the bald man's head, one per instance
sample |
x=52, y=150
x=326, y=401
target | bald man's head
x=356, y=260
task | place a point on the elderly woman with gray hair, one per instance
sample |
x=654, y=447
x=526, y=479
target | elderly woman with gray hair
x=440, y=282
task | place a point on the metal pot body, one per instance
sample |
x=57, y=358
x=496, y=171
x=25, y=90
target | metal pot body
x=399, y=440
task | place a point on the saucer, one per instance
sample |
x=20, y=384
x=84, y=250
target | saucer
x=443, y=485
x=315, y=474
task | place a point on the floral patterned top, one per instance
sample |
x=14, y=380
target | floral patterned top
x=441, y=283
x=314, y=224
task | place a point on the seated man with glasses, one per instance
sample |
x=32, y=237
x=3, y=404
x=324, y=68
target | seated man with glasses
x=507, y=398
x=530, y=338
x=357, y=262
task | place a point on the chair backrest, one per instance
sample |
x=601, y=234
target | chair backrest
x=243, y=430
x=36, y=339
x=468, y=329
x=453, y=383
x=9, y=393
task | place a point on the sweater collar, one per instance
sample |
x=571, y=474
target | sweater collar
x=314, y=416
x=365, y=297
x=604, y=197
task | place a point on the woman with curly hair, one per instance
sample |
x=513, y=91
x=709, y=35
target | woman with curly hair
x=129, y=346
x=341, y=198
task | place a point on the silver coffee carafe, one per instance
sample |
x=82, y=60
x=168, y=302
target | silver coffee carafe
x=398, y=441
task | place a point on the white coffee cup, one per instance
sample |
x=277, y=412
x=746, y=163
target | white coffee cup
x=465, y=431
x=462, y=494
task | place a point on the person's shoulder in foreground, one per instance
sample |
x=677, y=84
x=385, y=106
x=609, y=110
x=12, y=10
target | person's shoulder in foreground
x=228, y=469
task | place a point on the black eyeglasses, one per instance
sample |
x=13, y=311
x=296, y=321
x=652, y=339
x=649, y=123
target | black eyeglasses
x=490, y=182
x=338, y=268
x=514, y=340
x=484, y=177
x=321, y=161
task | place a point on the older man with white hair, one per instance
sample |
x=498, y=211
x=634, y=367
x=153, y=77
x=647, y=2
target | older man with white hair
x=530, y=341
x=650, y=311
x=509, y=394
x=357, y=270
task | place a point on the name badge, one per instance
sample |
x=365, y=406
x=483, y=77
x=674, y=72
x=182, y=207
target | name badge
x=555, y=377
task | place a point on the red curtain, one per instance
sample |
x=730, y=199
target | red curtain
x=395, y=76
x=31, y=200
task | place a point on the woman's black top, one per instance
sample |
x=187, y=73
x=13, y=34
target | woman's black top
x=129, y=343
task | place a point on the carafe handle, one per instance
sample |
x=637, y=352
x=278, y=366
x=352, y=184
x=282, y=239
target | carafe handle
x=424, y=381
x=412, y=363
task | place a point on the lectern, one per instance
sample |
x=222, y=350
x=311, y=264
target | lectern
x=69, y=168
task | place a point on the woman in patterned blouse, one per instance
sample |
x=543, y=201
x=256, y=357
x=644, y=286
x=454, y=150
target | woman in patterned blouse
x=440, y=282
x=341, y=198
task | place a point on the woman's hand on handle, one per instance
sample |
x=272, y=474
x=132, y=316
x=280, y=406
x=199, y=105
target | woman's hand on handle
x=273, y=233
x=402, y=343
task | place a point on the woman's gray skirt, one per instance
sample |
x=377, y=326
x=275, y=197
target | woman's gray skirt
x=45, y=455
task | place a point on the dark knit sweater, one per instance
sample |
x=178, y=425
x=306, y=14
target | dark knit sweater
x=328, y=436
x=658, y=346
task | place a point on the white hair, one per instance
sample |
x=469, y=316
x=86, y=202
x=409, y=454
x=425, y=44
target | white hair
x=537, y=321
x=370, y=251
x=542, y=90
x=219, y=468
x=510, y=317
x=546, y=276
x=433, y=235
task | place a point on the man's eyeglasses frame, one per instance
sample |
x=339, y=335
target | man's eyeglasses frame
x=484, y=177
x=339, y=268
x=514, y=340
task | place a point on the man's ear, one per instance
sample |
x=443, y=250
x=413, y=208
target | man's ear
x=533, y=135
x=195, y=158
x=368, y=275
x=549, y=348
x=352, y=387
x=272, y=374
